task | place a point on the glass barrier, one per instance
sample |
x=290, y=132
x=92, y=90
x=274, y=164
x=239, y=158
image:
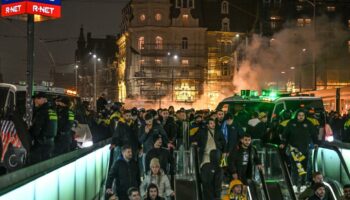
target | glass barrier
x=81, y=179
x=329, y=162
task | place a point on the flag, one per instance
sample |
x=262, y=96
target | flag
x=8, y=136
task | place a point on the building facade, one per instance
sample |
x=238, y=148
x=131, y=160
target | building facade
x=99, y=53
x=162, y=51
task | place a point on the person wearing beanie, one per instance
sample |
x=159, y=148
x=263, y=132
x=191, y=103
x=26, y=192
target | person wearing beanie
x=157, y=176
x=164, y=156
x=319, y=192
x=235, y=191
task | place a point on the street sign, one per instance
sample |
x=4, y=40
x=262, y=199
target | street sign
x=47, y=8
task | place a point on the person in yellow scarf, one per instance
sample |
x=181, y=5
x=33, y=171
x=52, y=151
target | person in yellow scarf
x=235, y=191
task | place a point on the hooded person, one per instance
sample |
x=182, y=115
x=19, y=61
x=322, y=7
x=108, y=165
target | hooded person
x=299, y=134
x=211, y=176
x=235, y=191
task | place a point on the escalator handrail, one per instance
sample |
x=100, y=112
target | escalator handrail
x=264, y=185
x=336, y=149
x=197, y=171
x=284, y=169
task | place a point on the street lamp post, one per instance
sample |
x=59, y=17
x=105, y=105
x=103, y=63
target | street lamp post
x=95, y=77
x=76, y=77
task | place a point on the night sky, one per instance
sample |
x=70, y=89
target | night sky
x=55, y=40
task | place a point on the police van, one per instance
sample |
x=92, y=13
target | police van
x=272, y=103
x=14, y=132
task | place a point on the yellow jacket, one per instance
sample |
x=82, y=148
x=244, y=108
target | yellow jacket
x=230, y=195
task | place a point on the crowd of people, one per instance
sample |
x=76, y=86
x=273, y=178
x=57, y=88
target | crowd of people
x=144, y=142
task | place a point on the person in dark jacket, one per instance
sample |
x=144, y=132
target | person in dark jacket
x=210, y=138
x=232, y=132
x=211, y=177
x=300, y=134
x=317, y=178
x=147, y=131
x=152, y=193
x=164, y=156
x=319, y=192
x=260, y=131
x=64, y=137
x=126, y=174
x=101, y=103
x=126, y=134
x=346, y=191
x=43, y=130
x=169, y=125
x=242, y=158
x=183, y=130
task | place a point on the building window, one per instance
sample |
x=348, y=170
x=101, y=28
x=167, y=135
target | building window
x=224, y=69
x=224, y=7
x=303, y=21
x=158, y=17
x=299, y=7
x=185, y=20
x=184, y=62
x=191, y=3
x=184, y=43
x=159, y=42
x=178, y=3
x=142, y=17
x=225, y=26
x=158, y=61
x=141, y=43
x=331, y=8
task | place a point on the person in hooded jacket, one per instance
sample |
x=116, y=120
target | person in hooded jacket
x=163, y=154
x=319, y=192
x=300, y=133
x=235, y=191
x=211, y=177
x=125, y=172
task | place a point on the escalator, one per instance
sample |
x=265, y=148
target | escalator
x=331, y=160
x=275, y=174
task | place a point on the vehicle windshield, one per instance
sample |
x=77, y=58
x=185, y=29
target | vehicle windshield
x=3, y=95
x=305, y=104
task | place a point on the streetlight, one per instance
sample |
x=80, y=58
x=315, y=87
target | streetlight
x=76, y=77
x=175, y=57
x=95, y=80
